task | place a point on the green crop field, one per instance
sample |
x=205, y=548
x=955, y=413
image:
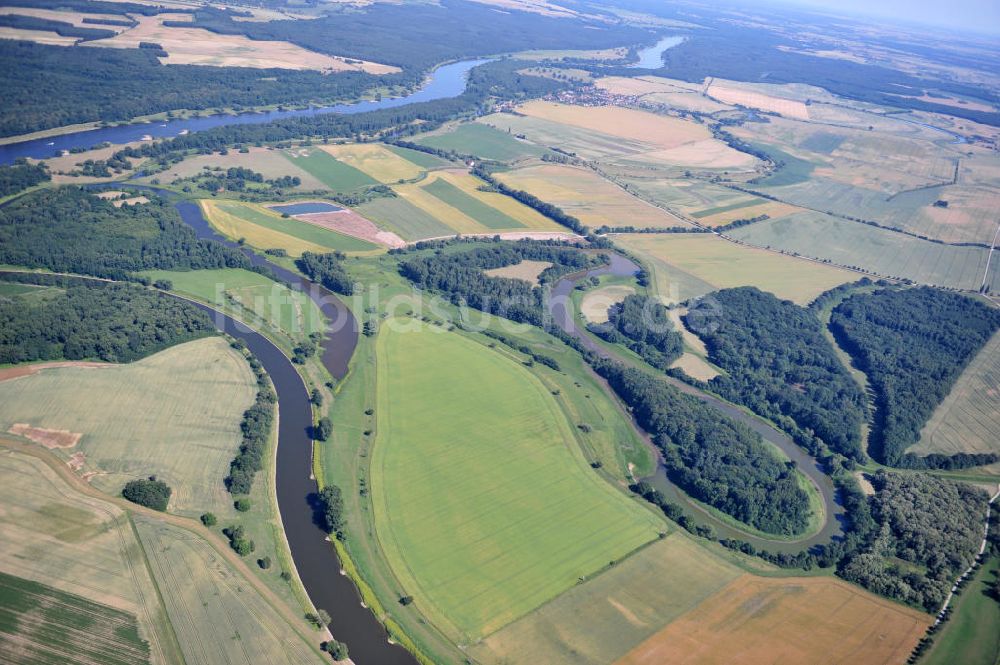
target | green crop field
x=482, y=141
x=885, y=252
x=339, y=177
x=39, y=624
x=423, y=159
x=486, y=215
x=404, y=218
x=175, y=414
x=251, y=296
x=602, y=620
x=484, y=504
x=967, y=421
x=297, y=229
x=972, y=635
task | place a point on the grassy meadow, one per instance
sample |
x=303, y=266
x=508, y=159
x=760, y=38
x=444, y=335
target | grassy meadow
x=175, y=414
x=690, y=265
x=375, y=160
x=481, y=529
x=337, y=176
x=972, y=635
x=281, y=312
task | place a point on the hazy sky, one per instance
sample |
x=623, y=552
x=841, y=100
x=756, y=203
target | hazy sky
x=977, y=15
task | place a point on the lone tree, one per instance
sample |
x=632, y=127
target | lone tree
x=331, y=506
x=338, y=650
x=323, y=429
x=150, y=492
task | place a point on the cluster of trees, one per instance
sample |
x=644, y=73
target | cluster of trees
x=714, y=459
x=20, y=176
x=148, y=492
x=643, y=325
x=235, y=179
x=238, y=540
x=778, y=363
x=460, y=275
x=912, y=344
x=70, y=230
x=256, y=429
x=330, y=509
x=927, y=531
x=327, y=270
x=111, y=322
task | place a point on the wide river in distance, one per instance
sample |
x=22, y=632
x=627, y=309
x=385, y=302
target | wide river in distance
x=444, y=82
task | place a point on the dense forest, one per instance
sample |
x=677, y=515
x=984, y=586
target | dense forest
x=912, y=344
x=713, y=458
x=643, y=325
x=21, y=176
x=778, y=363
x=460, y=276
x=67, y=229
x=327, y=270
x=97, y=321
x=927, y=532
x=417, y=36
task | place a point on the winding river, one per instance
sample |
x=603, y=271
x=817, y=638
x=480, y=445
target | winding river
x=445, y=81
x=562, y=312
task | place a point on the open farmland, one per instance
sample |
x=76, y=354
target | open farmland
x=216, y=617
x=78, y=545
x=690, y=265
x=269, y=162
x=967, y=421
x=604, y=618
x=787, y=620
x=37, y=36
x=481, y=140
x=972, y=635
x=527, y=271
x=404, y=219
x=588, y=197
x=732, y=95
x=376, y=160
x=335, y=175
x=195, y=46
x=249, y=296
x=482, y=528
x=31, y=613
x=878, y=250
x=175, y=414
x=265, y=229
x=622, y=137
x=454, y=198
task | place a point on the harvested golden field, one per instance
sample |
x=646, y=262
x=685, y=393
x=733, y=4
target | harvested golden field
x=967, y=421
x=596, y=303
x=376, y=160
x=688, y=101
x=71, y=17
x=608, y=616
x=644, y=85
x=196, y=46
x=662, y=133
x=593, y=200
x=757, y=100
x=527, y=271
x=37, y=36
x=757, y=620
x=690, y=265
x=76, y=544
x=175, y=414
x=695, y=366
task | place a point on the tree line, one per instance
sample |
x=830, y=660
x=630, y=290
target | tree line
x=94, y=321
x=912, y=344
x=779, y=364
x=20, y=176
x=255, y=428
x=68, y=229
